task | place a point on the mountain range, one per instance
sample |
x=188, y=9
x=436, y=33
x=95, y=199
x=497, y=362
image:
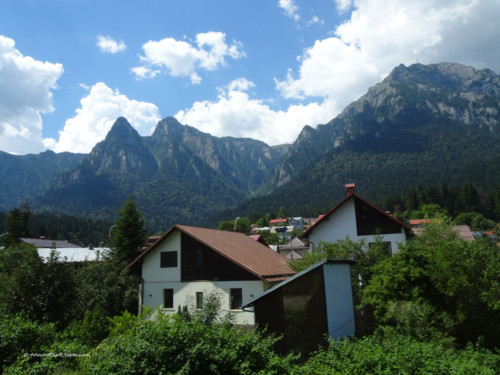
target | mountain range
x=422, y=124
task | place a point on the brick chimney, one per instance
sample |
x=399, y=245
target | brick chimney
x=350, y=188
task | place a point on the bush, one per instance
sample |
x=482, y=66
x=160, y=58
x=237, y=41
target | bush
x=28, y=347
x=174, y=345
x=439, y=284
x=391, y=353
x=18, y=335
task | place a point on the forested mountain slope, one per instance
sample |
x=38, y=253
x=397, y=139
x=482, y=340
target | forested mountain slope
x=27, y=176
x=178, y=174
x=430, y=124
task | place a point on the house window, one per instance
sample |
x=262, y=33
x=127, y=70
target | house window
x=199, y=300
x=168, y=298
x=236, y=300
x=168, y=259
x=369, y=221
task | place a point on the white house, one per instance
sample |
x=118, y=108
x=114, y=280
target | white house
x=359, y=219
x=187, y=263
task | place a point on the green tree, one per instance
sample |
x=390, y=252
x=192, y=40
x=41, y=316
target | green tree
x=227, y=225
x=468, y=199
x=282, y=213
x=128, y=234
x=243, y=225
x=45, y=291
x=271, y=238
x=439, y=284
x=16, y=226
x=432, y=210
x=262, y=222
x=107, y=286
x=496, y=199
x=474, y=220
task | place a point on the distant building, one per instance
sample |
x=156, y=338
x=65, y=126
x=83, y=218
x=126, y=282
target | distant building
x=41, y=243
x=294, y=249
x=277, y=222
x=296, y=223
x=68, y=252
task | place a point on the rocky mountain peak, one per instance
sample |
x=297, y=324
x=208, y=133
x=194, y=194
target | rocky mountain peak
x=122, y=150
x=167, y=127
x=450, y=77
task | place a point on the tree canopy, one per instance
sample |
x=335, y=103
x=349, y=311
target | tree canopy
x=128, y=234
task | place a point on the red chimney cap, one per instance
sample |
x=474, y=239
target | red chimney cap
x=350, y=188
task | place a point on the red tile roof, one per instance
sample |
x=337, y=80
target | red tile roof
x=277, y=221
x=247, y=253
x=419, y=221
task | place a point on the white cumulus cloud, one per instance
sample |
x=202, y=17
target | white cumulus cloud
x=183, y=59
x=98, y=111
x=290, y=8
x=26, y=93
x=377, y=36
x=343, y=5
x=236, y=114
x=381, y=34
x=109, y=45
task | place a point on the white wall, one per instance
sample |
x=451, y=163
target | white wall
x=339, y=302
x=342, y=223
x=151, y=270
x=185, y=294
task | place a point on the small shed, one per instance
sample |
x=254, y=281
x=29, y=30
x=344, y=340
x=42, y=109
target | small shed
x=308, y=306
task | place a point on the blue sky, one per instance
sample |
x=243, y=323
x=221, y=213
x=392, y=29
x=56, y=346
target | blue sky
x=261, y=69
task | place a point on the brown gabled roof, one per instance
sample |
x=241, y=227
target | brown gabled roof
x=349, y=196
x=247, y=253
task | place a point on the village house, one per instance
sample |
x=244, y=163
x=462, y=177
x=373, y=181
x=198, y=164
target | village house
x=67, y=251
x=188, y=263
x=358, y=219
x=294, y=249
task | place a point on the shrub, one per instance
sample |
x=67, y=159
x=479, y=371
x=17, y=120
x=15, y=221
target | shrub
x=174, y=345
x=391, y=353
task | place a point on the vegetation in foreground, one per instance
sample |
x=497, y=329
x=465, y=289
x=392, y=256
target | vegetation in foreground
x=432, y=308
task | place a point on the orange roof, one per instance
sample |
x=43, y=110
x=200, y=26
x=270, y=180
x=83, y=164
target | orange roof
x=277, y=221
x=247, y=253
x=419, y=221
